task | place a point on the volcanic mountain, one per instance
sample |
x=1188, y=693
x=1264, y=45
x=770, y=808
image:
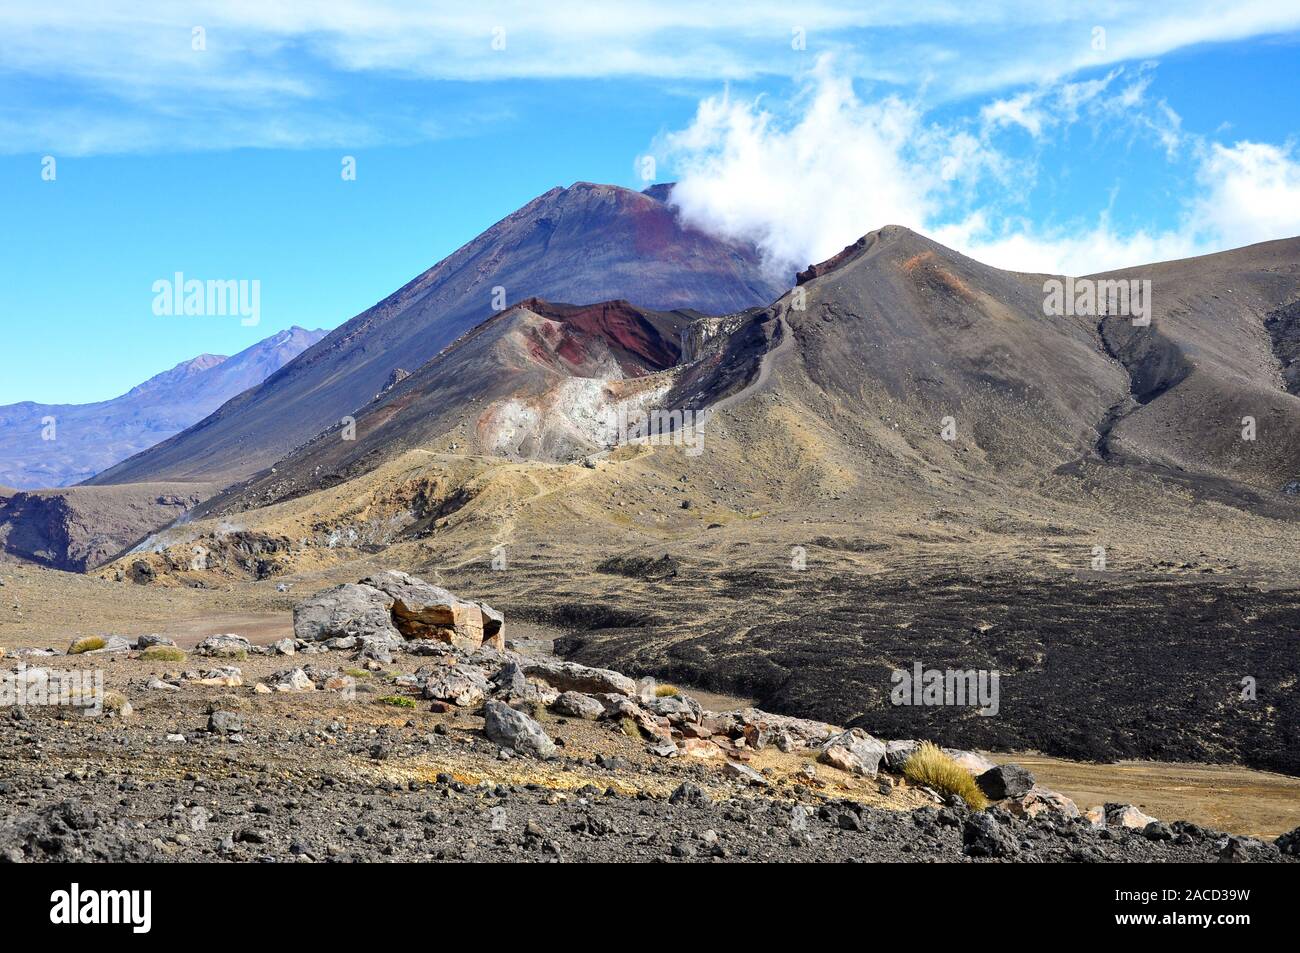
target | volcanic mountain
x=583, y=244
x=539, y=380
x=904, y=459
x=905, y=364
x=84, y=439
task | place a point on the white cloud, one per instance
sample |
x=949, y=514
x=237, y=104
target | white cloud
x=806, y=184
x=1251, y=193
x=799, y=189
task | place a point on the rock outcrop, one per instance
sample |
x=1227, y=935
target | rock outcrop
x=392, y=606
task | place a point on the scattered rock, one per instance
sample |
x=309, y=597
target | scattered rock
x=461, y=685
x=515, y=730
x=578, y=705
x=743, y=772
x=1126, y=815
x=983, y=836
x=149, y=641
x=224, y=646
x=292, y=680
x=225, y=723
x=1004, y=781
x=853, y=751
x=1038, y=800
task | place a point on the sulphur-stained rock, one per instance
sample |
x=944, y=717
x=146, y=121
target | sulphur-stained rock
x=515, y=730
x=349, y=611
x=854, y=751
x=572, y=677
x=578, y=705
x=699, y=748
x=421, y=610
x=1096, y=817
x=494, y=627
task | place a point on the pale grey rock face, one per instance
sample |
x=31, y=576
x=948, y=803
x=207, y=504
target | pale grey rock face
x=515, y=730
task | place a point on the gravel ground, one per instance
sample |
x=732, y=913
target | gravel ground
x=314, y=778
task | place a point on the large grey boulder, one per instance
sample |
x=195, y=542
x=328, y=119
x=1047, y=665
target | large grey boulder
x=572, y=677
x=578, y=705
x=854, y=751
x=346, y=611
x=421, y=610
x=513, y=729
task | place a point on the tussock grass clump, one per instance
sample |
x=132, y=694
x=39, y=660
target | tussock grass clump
x=629, y=728
x=164, y=653
x=397, y=701
x=667, y=691
x=90, y=643
x=356, y=673
x=928, y=765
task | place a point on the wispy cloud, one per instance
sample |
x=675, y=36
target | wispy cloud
x=280, y=64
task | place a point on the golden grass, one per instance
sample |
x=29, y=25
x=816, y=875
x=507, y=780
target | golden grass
x=667, y=691
x=89, y=644
x=928, y=765
x=164, y=653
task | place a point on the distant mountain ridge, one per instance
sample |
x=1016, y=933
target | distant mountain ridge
x=88, y=438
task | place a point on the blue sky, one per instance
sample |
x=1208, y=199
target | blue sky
x=1007, y=130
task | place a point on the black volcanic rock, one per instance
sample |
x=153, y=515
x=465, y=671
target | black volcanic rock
x=582, y=244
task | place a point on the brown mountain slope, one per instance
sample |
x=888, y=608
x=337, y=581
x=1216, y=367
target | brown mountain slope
x=1219, y=349
x=584, y=243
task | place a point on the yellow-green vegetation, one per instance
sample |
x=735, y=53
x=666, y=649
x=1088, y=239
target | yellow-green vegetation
x=356, y=672
x=397, y=701
x=89, y=644
x=630, y=728
x=163, y=653
x=115, y=703
x=667, y=691
x=928, y=765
